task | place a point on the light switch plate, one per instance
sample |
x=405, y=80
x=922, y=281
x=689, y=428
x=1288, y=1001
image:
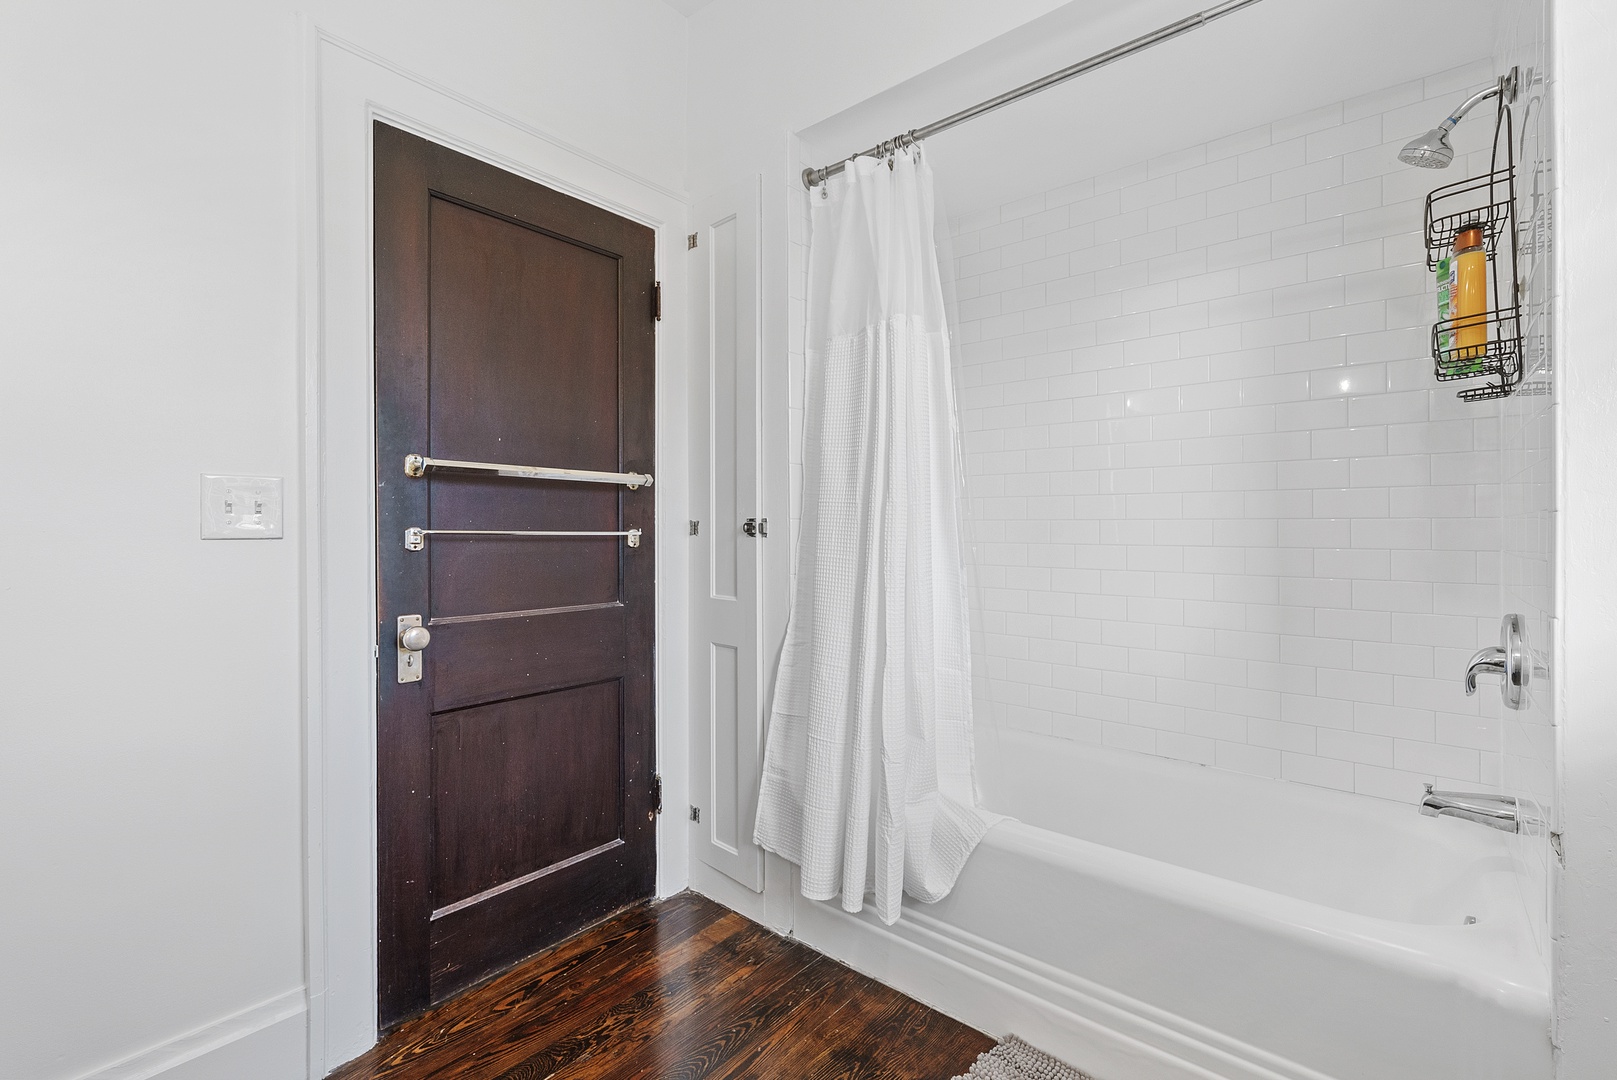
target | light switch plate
x=241, y=507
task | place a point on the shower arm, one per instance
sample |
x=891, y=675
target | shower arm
x=1474, y=100
x=812, y=176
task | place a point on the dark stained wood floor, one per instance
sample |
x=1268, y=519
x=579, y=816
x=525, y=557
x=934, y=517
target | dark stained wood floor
x=682, y=990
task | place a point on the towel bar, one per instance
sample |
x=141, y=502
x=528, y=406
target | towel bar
x=418, y=464
x=416, y=539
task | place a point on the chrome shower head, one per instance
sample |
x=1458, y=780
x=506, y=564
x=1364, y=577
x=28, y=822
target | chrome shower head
x=1428, y=151
x=1432, y=150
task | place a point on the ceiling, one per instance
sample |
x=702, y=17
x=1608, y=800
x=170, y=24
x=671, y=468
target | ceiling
x=687, y=7
x=1276, y=59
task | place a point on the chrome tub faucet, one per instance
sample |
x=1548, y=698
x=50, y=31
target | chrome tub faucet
x=1495, y=811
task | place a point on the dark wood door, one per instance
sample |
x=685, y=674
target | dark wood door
x=514, y=801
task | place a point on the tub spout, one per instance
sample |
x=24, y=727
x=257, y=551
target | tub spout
x=1495, y=811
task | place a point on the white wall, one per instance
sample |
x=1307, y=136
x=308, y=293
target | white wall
x=1585, y=87
x=1222, y=512
x=760, y=71
x=150, y=757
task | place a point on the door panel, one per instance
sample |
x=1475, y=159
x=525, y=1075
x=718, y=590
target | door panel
x=514, y=802
x=727, y=706
x=481, y=658
x=523, y=785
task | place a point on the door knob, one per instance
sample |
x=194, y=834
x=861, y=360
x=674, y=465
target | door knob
x=412, y=638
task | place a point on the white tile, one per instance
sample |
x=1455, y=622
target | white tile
x=1317, y=175
x=1184, y=747
x=1319, y=771
x=1239, y=196
x=1148, y=246
x=1179, y=211
x=1308, y=236
x=1316, y=416
x=1355, y=746
x=1261, y=761
x=1377, y=160
x=1434, y=760
x=1220, y=510
x=1311, y=355
x=1271, y=216
x=1176, y=161
x=1387, y=783
x=1350, y=442
x=1218, y=229
x=1347, y=259
x=1392, y=471
x=1126, y=736
x=1380, y=101
x=1391, y=721
x=1239, y=143
x=1398, y=219
x=1348, y=319
x=1344, y=138
x=1326, y=116
x=1267, y=160
x=1148, y=193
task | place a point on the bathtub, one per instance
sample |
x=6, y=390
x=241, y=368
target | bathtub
x=1149, y=919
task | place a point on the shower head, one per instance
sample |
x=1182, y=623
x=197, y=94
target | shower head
x=1432, y=150
x=1428, y=151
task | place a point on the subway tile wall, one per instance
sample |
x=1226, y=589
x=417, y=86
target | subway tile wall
x=1220, y=511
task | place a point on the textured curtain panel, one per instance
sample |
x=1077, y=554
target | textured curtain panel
x=867, y=781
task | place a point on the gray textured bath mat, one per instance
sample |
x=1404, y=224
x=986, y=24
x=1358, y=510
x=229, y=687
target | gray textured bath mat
x=1014, y=1059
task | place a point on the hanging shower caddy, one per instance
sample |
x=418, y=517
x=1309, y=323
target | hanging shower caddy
x=1486, y=202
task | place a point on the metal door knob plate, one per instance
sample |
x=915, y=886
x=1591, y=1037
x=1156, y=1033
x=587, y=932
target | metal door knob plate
x=410, y=639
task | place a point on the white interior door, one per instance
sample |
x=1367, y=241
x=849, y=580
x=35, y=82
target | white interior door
x=727, y=552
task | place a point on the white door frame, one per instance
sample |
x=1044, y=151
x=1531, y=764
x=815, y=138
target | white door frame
x=346, y=88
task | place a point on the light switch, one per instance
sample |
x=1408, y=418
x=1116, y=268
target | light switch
x=241, y=507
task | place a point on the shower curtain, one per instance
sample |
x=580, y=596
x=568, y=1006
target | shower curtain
x=867, y=781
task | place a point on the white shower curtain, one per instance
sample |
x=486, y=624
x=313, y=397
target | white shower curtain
x=867, y=781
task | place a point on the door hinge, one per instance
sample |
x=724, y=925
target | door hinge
x=690, y=242
x=656, y=795
x=657, y=300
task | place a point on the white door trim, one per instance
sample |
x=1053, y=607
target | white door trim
x=346, y=88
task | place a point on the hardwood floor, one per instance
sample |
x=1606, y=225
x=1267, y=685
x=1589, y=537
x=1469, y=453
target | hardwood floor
x=681, y=990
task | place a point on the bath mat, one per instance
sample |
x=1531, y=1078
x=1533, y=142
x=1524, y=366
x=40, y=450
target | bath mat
x=1014, y=1059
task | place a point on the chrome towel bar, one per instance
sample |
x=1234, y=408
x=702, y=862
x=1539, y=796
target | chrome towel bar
x=418, y=464
x=416, y=539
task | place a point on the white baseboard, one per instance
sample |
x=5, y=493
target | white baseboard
x=262, y=1042
x=1001, y=992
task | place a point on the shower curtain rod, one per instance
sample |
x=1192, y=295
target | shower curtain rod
x=1172, y=30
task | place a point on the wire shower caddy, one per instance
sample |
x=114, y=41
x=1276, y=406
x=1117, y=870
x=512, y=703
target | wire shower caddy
x=1488, y=203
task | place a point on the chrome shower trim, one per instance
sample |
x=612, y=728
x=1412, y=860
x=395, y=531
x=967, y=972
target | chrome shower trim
x=1495, y=811
x=1513, y=660
x=1433, y=150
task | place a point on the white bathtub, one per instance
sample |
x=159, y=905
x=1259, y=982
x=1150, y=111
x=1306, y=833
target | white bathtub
x=1152, y=920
